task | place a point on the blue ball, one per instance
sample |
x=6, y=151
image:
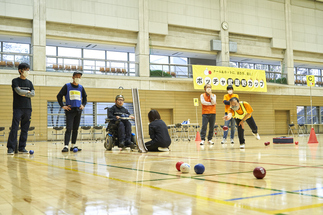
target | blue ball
x=75, y=150
x=31, y=152
x=199, y=168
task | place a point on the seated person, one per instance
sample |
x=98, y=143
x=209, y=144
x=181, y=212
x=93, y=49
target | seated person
x=160, y=139
x=124, y=126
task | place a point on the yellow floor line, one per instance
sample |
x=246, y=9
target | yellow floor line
x=299, y=208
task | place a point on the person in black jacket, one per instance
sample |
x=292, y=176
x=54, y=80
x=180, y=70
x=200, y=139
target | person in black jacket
x=76, y=100
x=23, y=90
x=158, y=132
x=116, y=112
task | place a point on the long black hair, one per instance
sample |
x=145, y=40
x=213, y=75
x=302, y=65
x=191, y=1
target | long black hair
x=153, y=115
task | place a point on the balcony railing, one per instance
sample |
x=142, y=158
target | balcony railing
x=10, y=60
x=90, y=66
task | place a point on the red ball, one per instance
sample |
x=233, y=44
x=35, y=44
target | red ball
x=267, y=143
x=210, y=72
x=225, y=128
x=259, y=172
x=296, y=142
x=178, y=165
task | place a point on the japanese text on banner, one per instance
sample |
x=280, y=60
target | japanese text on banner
x=220, y=77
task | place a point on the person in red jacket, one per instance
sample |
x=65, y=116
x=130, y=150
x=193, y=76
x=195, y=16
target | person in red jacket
x=208, y=101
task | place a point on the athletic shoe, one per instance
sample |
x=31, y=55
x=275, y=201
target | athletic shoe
x=162, y=149
x=211, y=142
x=242, y=146
x=75, y=147
x=232, y=141
x=223, y=141
x=202, y=143
x=23, y=151
x=132, y=145
x=10, y=152
x=65, y=149
x=257, y=136
x=122, y=146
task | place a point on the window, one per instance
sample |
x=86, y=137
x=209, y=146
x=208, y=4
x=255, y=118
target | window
x=273, y=72
x=300, y=76
x=12, y=54
x=166, y=66
x=101, y=113
x=300, y=115
x=95, y=54
x=93, y=114
x=56, y=115
x=91, y=61
x=304, y=115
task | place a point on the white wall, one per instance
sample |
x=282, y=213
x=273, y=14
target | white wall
x=307, y=27
x=116, y=14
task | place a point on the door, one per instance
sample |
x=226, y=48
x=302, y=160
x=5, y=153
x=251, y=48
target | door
x=281, y=121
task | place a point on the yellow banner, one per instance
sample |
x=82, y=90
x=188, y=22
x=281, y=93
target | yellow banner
x=196, y=102
x=310, y=80
x=220, y=77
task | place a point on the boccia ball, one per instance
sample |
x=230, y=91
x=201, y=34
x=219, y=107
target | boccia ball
x=259, y=172
x=199, y=168
x=75, y=150
x=225, y=128
x=185, y=168
x=296, y=142
x=178, y=165
x=31, y=152
x=267, y=143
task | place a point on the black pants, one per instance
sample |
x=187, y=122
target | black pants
x=73, y=118
x=153, y=147
x=21, y=116
x=124, y=131
x=252, y=124
x=207, y=118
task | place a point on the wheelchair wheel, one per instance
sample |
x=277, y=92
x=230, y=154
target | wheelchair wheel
x=108, y=144
x=133, y=139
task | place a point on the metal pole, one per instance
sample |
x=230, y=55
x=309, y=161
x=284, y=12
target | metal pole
x=197, y=121
x=311, y=106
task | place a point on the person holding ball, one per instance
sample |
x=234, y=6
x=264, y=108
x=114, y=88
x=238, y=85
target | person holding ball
x=241, y=111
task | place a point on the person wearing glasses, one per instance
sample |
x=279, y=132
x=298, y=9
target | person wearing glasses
x=118, y=113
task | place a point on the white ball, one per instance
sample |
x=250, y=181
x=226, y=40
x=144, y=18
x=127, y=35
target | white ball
x=185, y=168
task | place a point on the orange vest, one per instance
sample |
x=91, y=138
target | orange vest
x=208, y=109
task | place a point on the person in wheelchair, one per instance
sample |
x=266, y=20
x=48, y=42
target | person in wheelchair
x=120, y=116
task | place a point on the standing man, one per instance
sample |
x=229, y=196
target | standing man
x=241, y=111
x=231, y=123
x=208, y=101
x=76, y=100
x=23, y=90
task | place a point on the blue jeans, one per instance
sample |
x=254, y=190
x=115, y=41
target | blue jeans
x=231, y=124
x=21, y=116
x=207, y=118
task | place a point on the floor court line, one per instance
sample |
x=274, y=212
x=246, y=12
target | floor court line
x=215, y=181
x=158, y=188
x=273, y=194
x=235, y=161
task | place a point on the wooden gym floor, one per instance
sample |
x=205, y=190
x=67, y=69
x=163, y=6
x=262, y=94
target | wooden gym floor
x=95, y=181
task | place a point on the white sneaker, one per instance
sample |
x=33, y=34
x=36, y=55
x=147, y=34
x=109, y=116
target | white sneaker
x=211, y=142
x=202, y=143
x=257, y=136
x=242, y=146
x=162, y=149
x=223, y=141
x=232, y=141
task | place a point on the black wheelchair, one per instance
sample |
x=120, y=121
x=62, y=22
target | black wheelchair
x=111, y=139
